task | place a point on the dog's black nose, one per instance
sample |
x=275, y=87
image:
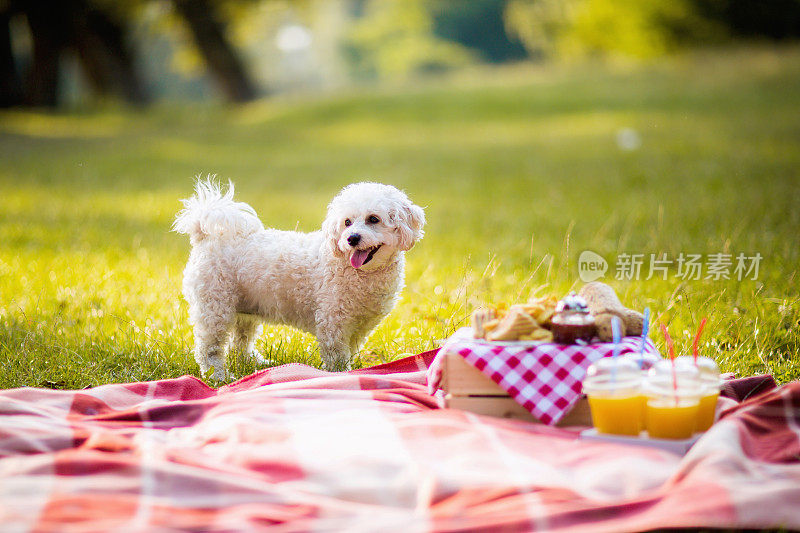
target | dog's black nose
x=354, y=239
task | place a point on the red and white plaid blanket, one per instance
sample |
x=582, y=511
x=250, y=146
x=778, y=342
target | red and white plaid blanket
x=299, y=449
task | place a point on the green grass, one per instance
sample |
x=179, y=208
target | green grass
x=518, y=169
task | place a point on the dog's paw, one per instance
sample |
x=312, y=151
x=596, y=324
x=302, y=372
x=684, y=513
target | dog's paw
x=337, y=366
x=213, y=373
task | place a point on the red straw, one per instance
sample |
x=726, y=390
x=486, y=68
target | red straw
x=671, y=350
x=697, y=338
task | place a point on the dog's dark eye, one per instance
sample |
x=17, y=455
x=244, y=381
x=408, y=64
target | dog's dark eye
x=347, y=222
x=373, y=219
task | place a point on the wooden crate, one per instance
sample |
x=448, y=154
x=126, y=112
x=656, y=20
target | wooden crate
x=470, y=389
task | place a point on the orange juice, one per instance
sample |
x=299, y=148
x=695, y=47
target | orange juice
x=673, y=400
x=709, y=376
x=707, y=411
x=643, y=411
x=617, y=415
x=613, y=387
x=668, y=419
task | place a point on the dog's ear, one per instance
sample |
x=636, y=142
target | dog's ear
x=409, y=219
x=330, y=232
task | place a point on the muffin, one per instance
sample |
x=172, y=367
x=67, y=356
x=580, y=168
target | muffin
x=572, y=323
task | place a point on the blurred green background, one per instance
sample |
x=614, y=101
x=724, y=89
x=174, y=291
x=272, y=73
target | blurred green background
x=531, y=130
x=72, y=52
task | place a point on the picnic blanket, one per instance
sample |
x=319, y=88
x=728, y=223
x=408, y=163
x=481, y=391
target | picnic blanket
x=298, y=449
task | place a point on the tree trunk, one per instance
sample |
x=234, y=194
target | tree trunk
x=219, y=55
x=10, y=82
x=47, y=21
x=60, y=26
x=105, y=55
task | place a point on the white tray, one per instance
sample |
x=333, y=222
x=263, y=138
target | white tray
x=679, y=447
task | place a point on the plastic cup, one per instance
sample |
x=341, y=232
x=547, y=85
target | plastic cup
x=673, y=401
x=613, y=388
x=711, y=382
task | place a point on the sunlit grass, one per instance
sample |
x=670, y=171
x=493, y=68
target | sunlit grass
x=518, y=169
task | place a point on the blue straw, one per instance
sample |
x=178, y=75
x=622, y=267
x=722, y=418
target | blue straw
x=645, y=330
x=617, y=336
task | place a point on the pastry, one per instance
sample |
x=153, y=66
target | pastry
x=480, y=318
x=515, y=324
x=604, y=305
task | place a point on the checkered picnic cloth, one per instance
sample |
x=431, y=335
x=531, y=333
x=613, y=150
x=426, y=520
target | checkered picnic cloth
x=544, y=378
x=294, y=448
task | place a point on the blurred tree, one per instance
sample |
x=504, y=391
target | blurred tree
x=774, y=19
x=58, y=27
x=632, y=28
x=10, y=81
x=478, y=25
x=219, y=55
x=394, y=39
x=97, y=33
x=539, y=24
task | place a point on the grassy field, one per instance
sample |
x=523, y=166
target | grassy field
x=519, y=170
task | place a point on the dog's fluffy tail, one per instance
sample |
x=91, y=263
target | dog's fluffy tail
x=210, y=213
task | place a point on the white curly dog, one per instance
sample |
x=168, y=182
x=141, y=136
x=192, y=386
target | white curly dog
x=336, y=283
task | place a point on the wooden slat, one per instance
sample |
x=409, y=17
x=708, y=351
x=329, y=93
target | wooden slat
x=506, y=407
x=462, y=379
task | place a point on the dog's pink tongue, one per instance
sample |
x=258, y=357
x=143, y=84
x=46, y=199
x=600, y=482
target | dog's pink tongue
x=358, y=258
